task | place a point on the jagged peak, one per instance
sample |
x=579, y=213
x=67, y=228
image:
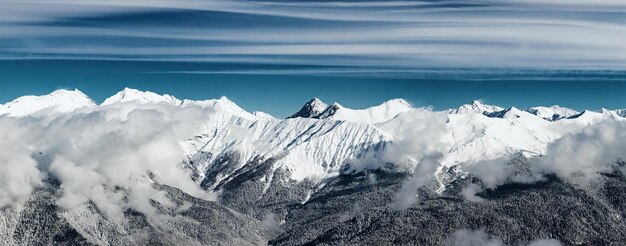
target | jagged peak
x=315, y=100
x=477, y=102
x=311, y=109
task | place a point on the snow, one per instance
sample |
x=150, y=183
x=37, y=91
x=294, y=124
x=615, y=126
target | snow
x=61, y=101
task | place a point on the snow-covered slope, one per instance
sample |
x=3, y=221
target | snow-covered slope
x=61, y=101
x=552, y=113
x=263, y=115
x=307, y=148
x=475, y=107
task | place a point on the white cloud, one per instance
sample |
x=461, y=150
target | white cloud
x=270, y=220
x=545, y=242
x=473, y=238
x=481, y=238
x=582, y=155
x=419, y=141
x=469, y=193
x=492, y=172
x=19, y=174
x=110, y=156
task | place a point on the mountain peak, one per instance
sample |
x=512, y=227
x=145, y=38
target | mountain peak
x=61, y=100
x=312, y=109
x=134, y=95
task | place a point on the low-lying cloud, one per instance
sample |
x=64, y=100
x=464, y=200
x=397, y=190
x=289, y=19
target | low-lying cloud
x=110, y=156
x=582, y=155
x=419, y=141
x=578, y=157
x=481, y=238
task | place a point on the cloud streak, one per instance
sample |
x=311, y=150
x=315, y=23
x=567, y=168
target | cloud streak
x=542, y=33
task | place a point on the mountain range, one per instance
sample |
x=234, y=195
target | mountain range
x=333, y=175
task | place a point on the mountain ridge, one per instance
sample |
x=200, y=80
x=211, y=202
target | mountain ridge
x=314, y=108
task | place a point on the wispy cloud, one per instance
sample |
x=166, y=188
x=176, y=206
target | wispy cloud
x=522, y=33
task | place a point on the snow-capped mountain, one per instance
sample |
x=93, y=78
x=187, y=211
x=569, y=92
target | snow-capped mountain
x=62, y=101
x=475, y=107
x=289, y=173
x=552, y=113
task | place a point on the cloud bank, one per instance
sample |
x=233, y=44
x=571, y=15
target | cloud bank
x=111, y=156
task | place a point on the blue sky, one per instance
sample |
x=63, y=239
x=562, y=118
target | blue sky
x=273, y=55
